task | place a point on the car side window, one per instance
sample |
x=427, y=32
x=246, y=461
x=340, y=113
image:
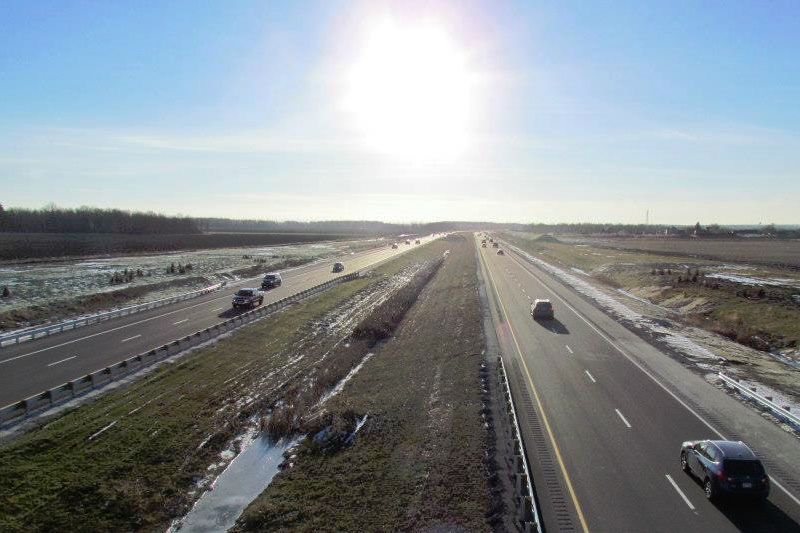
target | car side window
x=712, y=454
x=701, y=449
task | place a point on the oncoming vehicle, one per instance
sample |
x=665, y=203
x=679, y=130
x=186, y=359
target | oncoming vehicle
x=416, y=242
x=408, y=242
x=542, y=309
x=500, y=252
x=271, y=281
x=338, y=267
x=247, y=298
x=394, y=246
x=495, y=245
x=725, y=467
x=483, y=245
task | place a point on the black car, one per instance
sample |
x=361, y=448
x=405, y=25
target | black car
x=338, y=267
x=725, y=467
x=271, y=281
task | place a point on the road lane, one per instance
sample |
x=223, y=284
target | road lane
x=27, y=369
x=618, y=471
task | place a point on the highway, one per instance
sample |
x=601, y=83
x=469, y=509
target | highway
x=609, y=411
x=31, y=367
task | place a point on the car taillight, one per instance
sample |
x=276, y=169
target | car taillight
x=721, y=475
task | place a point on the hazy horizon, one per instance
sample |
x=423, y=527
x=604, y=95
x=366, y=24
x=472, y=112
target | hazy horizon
x=413, y=111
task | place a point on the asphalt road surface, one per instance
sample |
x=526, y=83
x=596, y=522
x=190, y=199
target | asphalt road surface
x=31, y=367
x=613, y=410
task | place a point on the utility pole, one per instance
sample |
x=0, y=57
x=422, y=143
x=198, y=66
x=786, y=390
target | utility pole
x=647, y=218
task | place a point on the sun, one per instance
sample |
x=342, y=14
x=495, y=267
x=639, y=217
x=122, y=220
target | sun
x=409, y=91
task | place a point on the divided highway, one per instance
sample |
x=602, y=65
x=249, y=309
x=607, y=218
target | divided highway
x=614, y=410
x=31, y=367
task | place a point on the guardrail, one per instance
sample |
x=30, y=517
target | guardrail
x=19, y=411
x=43, y=331
x=527, y=513
x=766, y=402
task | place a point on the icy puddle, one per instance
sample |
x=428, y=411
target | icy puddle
x=244, y=479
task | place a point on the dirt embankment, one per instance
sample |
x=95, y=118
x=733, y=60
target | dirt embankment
x=92, y=303
x=418, y=462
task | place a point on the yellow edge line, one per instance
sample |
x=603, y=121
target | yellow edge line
x=539, y=404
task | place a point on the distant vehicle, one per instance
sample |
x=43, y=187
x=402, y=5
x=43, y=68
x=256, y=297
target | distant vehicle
x=416, y=242
x=394, y=246
x=542, y=309
x=338, y=267
x=408, y=242
x=271, y=281
x=500, y=252
x=725, y=467
x=495, y=245
x=483, y=241
x=247, y=298
x=483, y=245
x=491, y=240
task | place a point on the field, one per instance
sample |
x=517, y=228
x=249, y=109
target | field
x=768, y=252
x=758, y=307
x=175, y=429
x=418, y=462
x=57, y=290
x=23, y=246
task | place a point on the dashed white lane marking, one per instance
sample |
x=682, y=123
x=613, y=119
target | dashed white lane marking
x=622, y=417
x=677, y=488
x=568, y=348
x=180, y=321
x=67, y=359
x=217, y=309
x=595, y=381
x=131, y=338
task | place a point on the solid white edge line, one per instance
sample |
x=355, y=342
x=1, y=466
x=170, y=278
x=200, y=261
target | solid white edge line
x=678, y=489
x=131, y=338
x=623, y=418
x=102, y=430
x=648, y=373
x=590, y=376
x=57, y=362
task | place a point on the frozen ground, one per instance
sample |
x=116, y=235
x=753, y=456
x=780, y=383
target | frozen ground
x=35, y=283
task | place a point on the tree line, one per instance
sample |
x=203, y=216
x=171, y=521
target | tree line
x=52, y=219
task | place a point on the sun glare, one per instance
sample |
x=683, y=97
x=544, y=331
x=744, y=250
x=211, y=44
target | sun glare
x=409, y=91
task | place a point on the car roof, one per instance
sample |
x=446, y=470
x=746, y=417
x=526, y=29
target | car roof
x=541, y=301
x=734, y=449
x=271, y=274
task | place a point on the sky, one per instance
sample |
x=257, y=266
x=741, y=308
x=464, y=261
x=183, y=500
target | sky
x=408, y=111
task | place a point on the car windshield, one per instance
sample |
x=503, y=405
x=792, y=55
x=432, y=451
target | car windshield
x=244, y=292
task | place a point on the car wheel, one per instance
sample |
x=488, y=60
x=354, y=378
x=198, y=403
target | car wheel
x=711, y=492
x=684, y=463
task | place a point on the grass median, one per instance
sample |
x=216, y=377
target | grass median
x=137, y=457
x=419, y=461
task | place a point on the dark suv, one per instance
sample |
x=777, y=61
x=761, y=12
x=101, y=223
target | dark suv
x=725, y=467
x=271, y=281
